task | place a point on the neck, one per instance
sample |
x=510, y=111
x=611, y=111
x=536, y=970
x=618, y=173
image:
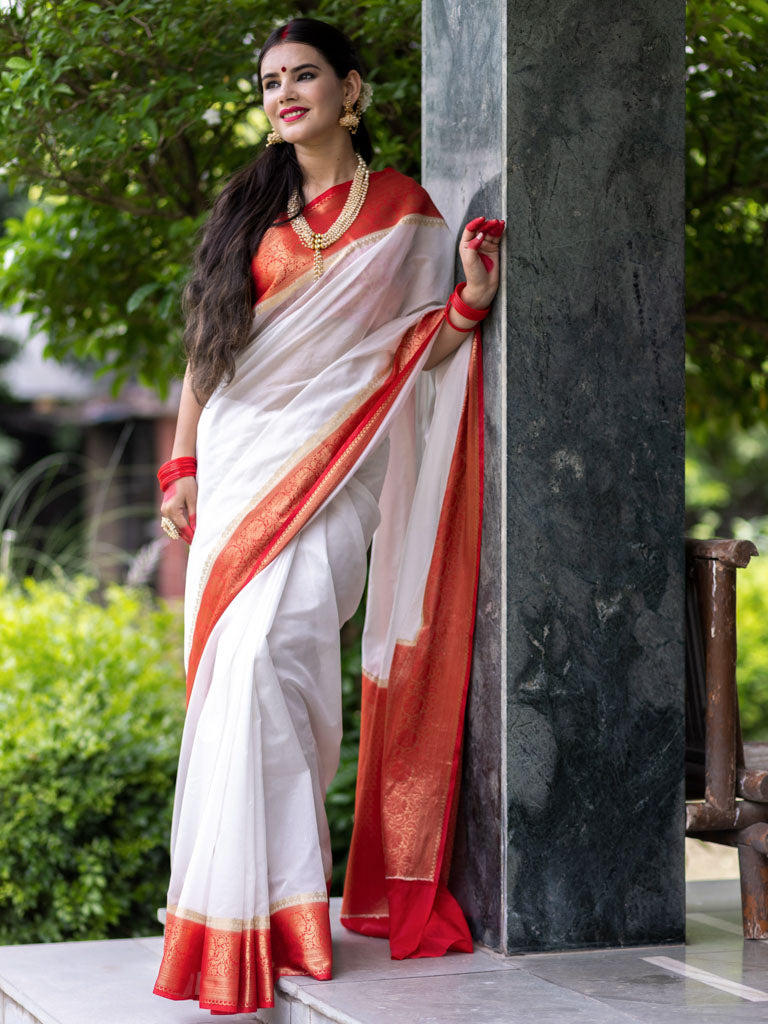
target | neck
x=327, y=164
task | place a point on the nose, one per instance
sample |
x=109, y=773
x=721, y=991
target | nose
x=285, y=91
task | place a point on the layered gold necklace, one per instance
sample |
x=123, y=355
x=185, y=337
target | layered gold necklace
x=357, y=193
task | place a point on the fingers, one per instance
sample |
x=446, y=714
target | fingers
x=178, y=518
x=176, y=514
x=485, y=231
x=174, y=511
x=475, y=245
x=180, y=509
x=494, y=228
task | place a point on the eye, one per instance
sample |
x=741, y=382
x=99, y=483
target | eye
x=270, y=83
x=306, y=74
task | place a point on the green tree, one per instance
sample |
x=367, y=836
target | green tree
x=124, y=118
x=727, y=224
x=10, y=206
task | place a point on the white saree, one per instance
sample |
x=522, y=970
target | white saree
x=328, y=429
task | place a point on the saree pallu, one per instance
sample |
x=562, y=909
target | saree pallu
x=329, y=432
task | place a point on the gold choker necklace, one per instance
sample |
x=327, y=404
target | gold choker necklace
x=343, y=222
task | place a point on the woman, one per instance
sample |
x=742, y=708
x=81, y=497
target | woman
x=318, y=297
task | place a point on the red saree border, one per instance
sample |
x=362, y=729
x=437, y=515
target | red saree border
x=396, y=879
x=266, y=529
x=234, y=971
x=446, y=838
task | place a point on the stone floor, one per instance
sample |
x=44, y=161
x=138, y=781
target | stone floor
x=716, y=976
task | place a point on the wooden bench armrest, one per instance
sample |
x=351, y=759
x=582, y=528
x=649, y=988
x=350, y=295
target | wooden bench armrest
x=711, y=568
x=733, y=553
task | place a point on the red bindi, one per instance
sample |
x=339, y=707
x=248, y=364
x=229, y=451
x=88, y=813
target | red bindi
x=282, y=69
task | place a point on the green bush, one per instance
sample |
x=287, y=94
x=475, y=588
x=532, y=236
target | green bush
x=92, y=709
x=752, y=643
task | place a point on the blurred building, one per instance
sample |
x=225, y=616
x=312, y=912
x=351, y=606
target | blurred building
x=97, y=456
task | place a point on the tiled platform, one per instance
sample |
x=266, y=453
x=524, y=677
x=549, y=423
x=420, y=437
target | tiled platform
x=717, y=976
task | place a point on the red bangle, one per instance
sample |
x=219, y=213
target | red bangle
x=462, y=308
x=175, y=469
x=463, y=330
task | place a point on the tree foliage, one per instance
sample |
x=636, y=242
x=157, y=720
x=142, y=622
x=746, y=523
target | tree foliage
x=126, y=117
x=727, y=200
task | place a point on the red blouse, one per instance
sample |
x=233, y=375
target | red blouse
x=282, y=257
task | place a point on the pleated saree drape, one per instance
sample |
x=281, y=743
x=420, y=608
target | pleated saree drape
x=329, y=435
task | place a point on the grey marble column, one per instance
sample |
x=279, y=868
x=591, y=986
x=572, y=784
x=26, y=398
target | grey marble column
x=567, y=120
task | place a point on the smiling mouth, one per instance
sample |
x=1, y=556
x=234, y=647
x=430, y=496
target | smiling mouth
x=294, y=114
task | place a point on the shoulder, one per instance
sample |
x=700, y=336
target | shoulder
x=399, y=196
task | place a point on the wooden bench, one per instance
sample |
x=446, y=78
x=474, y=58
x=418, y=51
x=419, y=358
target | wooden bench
x=726, y=779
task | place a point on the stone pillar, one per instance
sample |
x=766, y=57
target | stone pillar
x=567, y=120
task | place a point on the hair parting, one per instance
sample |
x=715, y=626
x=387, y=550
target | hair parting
x=219, y=296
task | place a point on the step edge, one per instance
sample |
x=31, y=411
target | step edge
x=25, y=1002
x=304, y=996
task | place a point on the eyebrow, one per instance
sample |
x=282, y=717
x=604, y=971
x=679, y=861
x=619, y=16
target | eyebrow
x=273, y=74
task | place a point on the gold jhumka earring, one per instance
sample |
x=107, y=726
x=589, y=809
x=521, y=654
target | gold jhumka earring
x=352, y=114
x=351, y=117
x=274, y=138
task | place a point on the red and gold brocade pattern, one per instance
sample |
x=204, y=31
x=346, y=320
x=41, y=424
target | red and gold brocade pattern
x=233, y=970
x=411, y=733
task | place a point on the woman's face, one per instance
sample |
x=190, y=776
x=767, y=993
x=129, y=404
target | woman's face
x=303, y=96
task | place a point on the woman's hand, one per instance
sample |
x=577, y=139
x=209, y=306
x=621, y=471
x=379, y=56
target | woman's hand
x=180, y=505
x=479, y=251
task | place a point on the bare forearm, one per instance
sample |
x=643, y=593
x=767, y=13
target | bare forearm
x=185, y=441
x=448, y=339
x=479, y=251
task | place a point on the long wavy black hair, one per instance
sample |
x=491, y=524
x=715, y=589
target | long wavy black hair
x=219, y=296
